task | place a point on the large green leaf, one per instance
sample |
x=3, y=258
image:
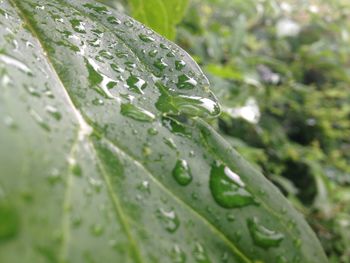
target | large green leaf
x=105, y=156
x=161, y=15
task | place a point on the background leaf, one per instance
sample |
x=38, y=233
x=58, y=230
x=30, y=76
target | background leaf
x=160, y=15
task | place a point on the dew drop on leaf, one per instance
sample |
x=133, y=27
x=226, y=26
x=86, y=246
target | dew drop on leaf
x=262, y=236
x=160, y=64
x=200, y=254
x=170, y=142
x=186, y=82
x=191, y=105
x=136, y=113
x=228, y=191
x=152, y=131
x=169, y=219
x=153, y=53
x=182, y=173
x=180, y=64
x=113, y=20
x=53, y=112
x=177, y=255
x=146, y=38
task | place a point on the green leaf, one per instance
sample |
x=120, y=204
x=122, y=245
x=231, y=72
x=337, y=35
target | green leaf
x=105, y=156
x=160, y=15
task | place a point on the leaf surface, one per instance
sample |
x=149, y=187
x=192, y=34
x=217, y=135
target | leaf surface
x=105, y=156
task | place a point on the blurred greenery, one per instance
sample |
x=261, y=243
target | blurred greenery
x=281, y=70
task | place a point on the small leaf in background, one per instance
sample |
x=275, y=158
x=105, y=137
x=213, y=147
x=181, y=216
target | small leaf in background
x=160, y=15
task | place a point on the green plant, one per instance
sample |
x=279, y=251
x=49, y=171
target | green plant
x=106, y=155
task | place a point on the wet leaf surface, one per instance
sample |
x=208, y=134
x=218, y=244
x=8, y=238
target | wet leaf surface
x=105, y=156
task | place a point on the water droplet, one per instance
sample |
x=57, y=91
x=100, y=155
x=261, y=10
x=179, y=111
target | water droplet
x=32, y=91
x=186, y=82
x=97, y=78
x=228, y=191
x=191, y=105
x=96, y=184
x=113, y=20
x=97, y=8
x=169, y=220
x=105, y=54
x=230, y=217
x=200, y=254
x=146, y=38
x=152, y=131
x=176, y=127
x=170, y=142
x=144, y=187
x=116, y=68
x=263, y=236
x=136, y=84
x=9, y=122
x=78, y=25
x=160, y=64
x=136, y=113
x=53, y=112
x=177, y=255
x=180, y=64
x=153, y=53
x=39, y=120
x=54, y=176
x=97, y=102
x=182, y=173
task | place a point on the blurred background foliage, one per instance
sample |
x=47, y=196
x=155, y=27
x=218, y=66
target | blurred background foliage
x=281, y=70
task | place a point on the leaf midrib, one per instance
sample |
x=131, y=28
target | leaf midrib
x=79, y=114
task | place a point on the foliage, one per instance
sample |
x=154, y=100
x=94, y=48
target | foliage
x=160, y=15
x=106, y=155
x=281, y=71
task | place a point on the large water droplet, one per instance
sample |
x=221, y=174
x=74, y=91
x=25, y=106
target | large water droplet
x=227, y=188
x=136, y=113
x=182, y=172
x=263, y=236
x=191, y=105
x=186, y=82
x=169, y=220
x=136, y=84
